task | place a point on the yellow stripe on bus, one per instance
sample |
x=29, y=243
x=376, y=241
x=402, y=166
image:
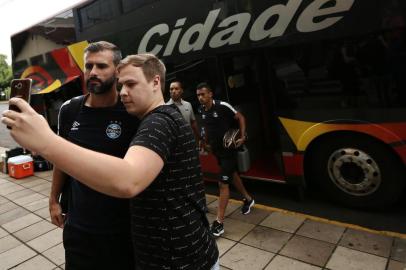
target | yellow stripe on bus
x=76, y=50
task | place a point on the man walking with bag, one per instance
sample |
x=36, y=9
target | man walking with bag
x=218, y=117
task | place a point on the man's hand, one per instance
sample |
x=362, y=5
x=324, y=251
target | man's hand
x=240, y=141
x=204, y=147
x=55, y=211
x=28, y=128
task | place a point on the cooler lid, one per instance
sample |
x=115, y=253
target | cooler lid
x=19, y=159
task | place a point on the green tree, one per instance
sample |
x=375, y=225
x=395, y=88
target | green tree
x=6, y=75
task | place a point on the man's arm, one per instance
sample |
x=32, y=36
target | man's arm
x=241, y=122
x=114, y=176
x=195, y=130
x=55, y=209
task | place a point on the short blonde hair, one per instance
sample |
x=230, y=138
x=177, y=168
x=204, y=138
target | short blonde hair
x=150, y=65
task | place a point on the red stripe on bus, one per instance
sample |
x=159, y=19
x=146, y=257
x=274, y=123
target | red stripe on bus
x=293, y=164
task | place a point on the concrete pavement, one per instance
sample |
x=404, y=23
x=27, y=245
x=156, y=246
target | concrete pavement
x=266, y=239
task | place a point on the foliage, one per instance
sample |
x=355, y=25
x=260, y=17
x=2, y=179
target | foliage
x=6, y=74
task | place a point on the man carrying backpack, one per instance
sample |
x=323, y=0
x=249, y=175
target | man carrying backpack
x=97, y=227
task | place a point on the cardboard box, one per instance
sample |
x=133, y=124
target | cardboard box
x=20, y=166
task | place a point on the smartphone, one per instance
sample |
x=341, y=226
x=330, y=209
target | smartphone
x=20, y=88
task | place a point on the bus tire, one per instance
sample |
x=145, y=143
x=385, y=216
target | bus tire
x=357, y=171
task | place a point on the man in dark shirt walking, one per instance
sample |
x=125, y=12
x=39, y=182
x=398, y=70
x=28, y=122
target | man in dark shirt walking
x=217, y=117
x=160, y=171
x=97, y=227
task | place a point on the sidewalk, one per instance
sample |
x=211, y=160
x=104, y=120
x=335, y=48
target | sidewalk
x=267, y=238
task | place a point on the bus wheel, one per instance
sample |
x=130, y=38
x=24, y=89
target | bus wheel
x=357, y=171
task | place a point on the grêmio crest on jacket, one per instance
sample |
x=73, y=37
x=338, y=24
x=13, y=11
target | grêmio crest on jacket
x=113, y=130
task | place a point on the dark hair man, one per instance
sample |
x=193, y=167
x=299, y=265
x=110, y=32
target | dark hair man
x=97, y=226
x=217, y=117
x=160, y=171
x=176, y=92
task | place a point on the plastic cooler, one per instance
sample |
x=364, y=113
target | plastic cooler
x=20, y=166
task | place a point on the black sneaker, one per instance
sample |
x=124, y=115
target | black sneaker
x=246, y=208
x=217, y=228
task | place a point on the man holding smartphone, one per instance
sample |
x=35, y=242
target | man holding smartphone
x=97, y=227
x=160, y=171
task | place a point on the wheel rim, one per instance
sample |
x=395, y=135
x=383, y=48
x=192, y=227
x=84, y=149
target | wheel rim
x=354, y=171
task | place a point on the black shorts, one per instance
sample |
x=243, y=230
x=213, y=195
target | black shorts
x=227, y=160
x=85, y=250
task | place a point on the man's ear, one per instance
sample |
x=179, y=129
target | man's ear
x=157, y=82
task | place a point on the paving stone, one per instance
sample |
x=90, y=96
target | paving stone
x=18, y=194
x=3, y=233
x=211, y=217
x=308, y=250
x=36, y=263
x=62, y=266
x=8, y=242
x=6, y=184
x=242, y=257
x=266, y=238
x=283, y=222
x=21, y=222
x=36, y=205
x=10, y=189
x=395, y=265
x=44, y=174
x=56, y=254
x=254, y=217
x=43, y=212
x=231, y=207
x=47, y=240
x=3, y=200
x=46, y=192
x=348, y=259
x=224, y=244
x=321, y=231
x=7, y=207
x=367, y=242
x=210, y=199
x=284, y=263
x=2, y=180
x=398, y=252
x=38, y=188
x=32, y=182
x=15, y=256
x=29, y=199
x=12, y=215
x=235, y=229
x=224, y=268
x=34, y=231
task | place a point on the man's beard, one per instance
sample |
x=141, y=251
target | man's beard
x=100, y=88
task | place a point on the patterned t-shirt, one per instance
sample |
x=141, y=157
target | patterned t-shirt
x=169, y=225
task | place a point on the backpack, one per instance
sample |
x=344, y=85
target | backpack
x=73, y=109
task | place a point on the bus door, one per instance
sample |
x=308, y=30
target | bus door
x=248, y=90
x=190, y=73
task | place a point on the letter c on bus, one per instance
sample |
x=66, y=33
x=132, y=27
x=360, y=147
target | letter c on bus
x=160, y=29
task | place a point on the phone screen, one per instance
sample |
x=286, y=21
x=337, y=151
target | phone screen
x=20, y=88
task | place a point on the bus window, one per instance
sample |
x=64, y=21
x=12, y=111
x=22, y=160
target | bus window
x=339, y=75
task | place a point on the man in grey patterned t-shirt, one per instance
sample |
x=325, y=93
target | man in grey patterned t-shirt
x=160, y=171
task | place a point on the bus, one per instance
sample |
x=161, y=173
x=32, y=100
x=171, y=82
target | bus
x=321, y=83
